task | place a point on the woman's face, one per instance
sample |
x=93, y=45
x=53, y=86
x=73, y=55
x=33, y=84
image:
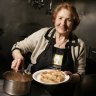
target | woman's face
x=63, y=22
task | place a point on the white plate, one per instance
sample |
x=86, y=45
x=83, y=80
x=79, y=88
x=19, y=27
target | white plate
x=37, y=75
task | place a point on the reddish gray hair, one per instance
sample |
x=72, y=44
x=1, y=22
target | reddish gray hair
x=69, y=7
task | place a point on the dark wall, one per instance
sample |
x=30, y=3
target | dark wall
x=86, y=29
x=18, y=18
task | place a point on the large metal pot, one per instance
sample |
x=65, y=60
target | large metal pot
x=16, y=83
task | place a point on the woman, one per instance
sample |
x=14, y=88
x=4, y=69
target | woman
x=55, y=47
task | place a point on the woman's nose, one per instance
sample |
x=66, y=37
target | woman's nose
x=63, y=22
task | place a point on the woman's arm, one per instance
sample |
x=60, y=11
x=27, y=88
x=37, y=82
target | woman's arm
x=80, y=62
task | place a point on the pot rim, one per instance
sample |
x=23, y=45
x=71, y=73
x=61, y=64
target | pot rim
x=14, y=80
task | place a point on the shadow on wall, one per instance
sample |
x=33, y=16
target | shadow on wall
x=86, y=29
x=3, y=60
x=26, y=29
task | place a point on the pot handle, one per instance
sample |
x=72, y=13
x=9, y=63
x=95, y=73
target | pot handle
x=28, y=69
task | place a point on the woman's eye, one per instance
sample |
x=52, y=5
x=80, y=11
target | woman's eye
x=70, y=20
x=60, y=18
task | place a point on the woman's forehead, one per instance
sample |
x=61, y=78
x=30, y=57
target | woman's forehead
x=64, y=12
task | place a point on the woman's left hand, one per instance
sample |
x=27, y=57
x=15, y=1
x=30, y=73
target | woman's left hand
x=73, y=77
x=70, y=74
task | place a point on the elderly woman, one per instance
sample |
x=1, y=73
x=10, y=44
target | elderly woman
x=55, y=47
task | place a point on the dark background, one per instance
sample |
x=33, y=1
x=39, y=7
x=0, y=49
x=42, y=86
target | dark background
x=19, y=18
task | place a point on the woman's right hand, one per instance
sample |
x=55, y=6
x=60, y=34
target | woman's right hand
x=18, y=60
x=16, y=64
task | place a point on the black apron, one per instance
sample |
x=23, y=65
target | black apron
x=44, y=60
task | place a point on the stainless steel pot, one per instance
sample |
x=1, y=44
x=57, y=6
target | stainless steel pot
x=16, y=83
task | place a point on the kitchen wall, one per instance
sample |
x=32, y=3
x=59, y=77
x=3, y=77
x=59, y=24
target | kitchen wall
x=18, y=19
x=87, y=30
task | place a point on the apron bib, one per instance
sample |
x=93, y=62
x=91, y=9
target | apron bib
x=44, y=60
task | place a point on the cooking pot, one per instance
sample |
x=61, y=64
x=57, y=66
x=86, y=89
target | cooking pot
x=17, y=83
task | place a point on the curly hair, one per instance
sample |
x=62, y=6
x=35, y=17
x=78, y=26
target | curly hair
x=69, y=7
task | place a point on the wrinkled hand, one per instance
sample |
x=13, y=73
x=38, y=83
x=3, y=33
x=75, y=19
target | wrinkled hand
x=70, y=74
x=16, y=64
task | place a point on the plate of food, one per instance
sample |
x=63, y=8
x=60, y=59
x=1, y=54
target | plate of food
x=50, y=76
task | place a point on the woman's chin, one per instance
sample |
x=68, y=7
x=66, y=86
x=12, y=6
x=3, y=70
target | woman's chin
x=63, y=32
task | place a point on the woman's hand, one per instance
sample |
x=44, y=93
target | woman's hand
x=18, y=60
x=69, y=73
x=73, y=77
x=16, y=64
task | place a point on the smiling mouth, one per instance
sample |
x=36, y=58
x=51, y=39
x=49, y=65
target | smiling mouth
x=62, y=28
